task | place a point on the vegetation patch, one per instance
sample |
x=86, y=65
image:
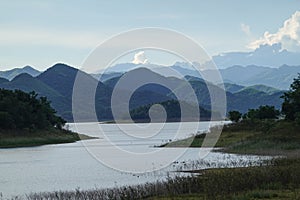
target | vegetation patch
x=265, y=137
x=29, y=120
x=280, y=179
x=22, y=138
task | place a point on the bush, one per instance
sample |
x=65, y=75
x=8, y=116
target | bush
x=263, y=112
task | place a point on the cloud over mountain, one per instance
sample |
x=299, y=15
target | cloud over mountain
x=265, y=55
x=288, y=35
x=140, y=58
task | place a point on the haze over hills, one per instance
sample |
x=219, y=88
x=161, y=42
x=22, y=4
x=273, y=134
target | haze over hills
x=10, y=74
x=267, y=65
x=57, y=84
x=241, y=99
x=234, y=88
x=247, y=85
x=264, y=55
x=279, y=78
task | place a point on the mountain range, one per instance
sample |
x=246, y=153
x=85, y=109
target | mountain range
x=56, y=83
x=265, y=55
x=279, y=77
x=10, y=74
x=250, y=79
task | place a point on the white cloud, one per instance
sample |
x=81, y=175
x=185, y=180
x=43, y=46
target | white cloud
x=288, y=35
x=140, y=58
x=246, y=29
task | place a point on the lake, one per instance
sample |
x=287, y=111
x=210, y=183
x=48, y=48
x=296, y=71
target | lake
x=96, y=163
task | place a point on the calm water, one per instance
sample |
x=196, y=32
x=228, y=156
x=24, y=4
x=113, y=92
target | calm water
x=78, y=165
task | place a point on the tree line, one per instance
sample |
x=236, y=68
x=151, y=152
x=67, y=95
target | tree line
x=21, y=110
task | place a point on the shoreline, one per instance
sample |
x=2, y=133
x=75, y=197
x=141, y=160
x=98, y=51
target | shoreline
x=10, y=139
x=202, y=186
x=280, y=138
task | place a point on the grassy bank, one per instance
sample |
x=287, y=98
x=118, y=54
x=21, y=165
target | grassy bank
x=253, y=137
x=27, y=138
x=279, y=179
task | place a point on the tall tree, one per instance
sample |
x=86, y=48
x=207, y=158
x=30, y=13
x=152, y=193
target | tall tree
x=234, y=115
x=291, y=101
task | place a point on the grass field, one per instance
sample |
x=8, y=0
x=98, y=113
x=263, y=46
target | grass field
x=249, y=195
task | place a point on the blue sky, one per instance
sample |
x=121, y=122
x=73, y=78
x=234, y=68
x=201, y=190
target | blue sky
x=41, y=33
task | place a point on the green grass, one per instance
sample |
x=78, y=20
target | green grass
x=27, y=138
x=226, y=139
x=282, y=194
x=281, y=138
x=280, y=179
x=260, y=137
x=180, y=197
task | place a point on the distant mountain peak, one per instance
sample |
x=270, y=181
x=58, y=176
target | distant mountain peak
x=187, y=65
x=28, y=67
x=265, y=55
x=61, y=66
x=11, y=74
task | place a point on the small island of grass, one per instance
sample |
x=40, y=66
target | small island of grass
x=28, y=120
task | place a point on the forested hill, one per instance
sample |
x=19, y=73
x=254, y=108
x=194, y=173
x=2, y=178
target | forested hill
x=56, y=83
x=28, y=120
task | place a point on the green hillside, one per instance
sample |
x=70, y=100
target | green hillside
x=29, y=120
x=263, y=88
x=27, y=83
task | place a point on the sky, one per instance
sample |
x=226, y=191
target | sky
x=42, y=33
